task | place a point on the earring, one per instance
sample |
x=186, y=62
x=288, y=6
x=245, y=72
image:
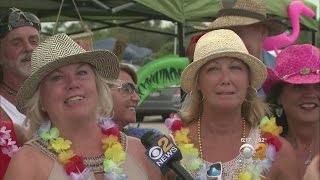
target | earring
x=254, y=89
x=202, y=98
x=278, y=111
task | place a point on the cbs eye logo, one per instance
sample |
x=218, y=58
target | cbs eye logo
x=163, y=146
x=155, y=153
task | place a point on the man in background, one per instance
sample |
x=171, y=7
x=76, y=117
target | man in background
x=248, y=18
x=19, y=36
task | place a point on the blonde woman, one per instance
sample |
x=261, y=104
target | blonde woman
x=222, y=111
x=67, y=101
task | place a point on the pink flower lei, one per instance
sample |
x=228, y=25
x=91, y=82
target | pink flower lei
x=262, y=159
x=7, y=145
x=74, y=164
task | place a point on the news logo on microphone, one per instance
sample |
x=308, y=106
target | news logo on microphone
x=162, y=151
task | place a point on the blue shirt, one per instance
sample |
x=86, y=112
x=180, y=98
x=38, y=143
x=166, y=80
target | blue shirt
x=270, y=61
x=139, y=132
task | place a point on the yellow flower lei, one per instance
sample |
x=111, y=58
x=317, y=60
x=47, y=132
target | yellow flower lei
x=74, y=164
x=263, y=161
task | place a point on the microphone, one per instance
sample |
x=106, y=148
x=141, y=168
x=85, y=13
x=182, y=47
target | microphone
x=164, y=154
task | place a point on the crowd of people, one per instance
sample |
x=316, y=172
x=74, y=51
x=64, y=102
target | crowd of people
x=69, y=108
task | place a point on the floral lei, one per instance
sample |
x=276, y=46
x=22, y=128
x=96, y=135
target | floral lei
x=74, y=164
x=262, y=161
x=7, y=145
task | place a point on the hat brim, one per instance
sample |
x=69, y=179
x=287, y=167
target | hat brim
x=105, y=62
x=274, y=26
x=257, y=68
x=273, y=79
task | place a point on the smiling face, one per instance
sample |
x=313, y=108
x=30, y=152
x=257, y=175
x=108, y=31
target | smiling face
x=124, y=103
x=301, y=102
x=223, y=83
x=16, y=49
x=69, y=92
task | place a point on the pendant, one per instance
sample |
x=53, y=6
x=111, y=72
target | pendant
x=307, y=162
x=247, y=151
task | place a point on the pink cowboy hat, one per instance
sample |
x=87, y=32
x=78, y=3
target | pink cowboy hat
x=297, y=64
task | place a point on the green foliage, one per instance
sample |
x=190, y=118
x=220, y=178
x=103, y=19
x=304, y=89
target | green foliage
x=167, y=48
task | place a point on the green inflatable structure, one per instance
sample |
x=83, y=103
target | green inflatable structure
x=160, y=73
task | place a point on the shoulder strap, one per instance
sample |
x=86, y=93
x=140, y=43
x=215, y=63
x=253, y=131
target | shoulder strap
x=42, y=146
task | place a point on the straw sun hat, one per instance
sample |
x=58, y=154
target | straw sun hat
x=297, y=64
x=245, y=12
x=221, y=43
x=58, y=51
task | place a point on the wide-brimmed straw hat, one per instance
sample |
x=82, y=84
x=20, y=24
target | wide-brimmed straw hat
x=221, y=43
x=243, y=13
x=58, y=51
x=297, y=64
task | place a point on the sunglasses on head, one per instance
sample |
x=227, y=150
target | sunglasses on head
x=127, y=88
x=18, y=18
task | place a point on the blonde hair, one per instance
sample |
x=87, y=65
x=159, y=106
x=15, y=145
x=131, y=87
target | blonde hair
x=35, y=116
x=253, y=108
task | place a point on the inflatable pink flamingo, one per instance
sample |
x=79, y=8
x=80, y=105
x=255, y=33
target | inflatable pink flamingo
x=296, y=8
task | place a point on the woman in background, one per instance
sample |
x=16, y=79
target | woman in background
x=293, y=91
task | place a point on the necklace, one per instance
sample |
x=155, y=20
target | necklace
x=308, y=160
x=310, y=155
x=250, y=162
x=8, y=89
x=75, y=165
x=243, y=139
x=309, y=151
x=246, y=152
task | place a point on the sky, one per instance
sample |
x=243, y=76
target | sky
x=317, y=3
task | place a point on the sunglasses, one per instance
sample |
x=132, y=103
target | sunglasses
x=215, y=171
x=127, y=88
x=18, y=18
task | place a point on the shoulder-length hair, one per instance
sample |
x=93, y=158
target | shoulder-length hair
x=35, y=116
x=272, y=100
x=253, y=108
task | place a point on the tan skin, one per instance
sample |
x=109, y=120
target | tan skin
x=223, y=83
x=313, y=170
x=124, y=104
x=15, y=55
x=71, y=96
x=301, y=104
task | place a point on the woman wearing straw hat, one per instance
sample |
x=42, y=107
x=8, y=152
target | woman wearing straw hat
x=66, y=100
x=293, y=90
x=221, y=138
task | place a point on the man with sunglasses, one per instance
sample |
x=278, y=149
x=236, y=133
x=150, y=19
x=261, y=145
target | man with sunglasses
x=19, y=36
x=125, y=97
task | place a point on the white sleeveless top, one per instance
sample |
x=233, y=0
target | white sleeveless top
x=12, y=111
x=131, y=167
x=230, y=169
